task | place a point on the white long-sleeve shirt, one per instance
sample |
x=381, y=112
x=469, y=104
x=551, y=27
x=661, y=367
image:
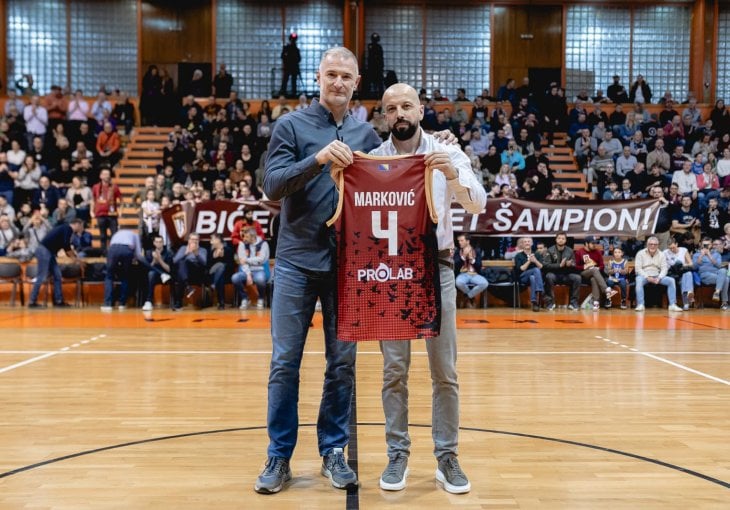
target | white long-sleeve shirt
x=36, y=121
x=464, y=189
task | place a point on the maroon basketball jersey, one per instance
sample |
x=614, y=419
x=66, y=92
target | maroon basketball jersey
x=387, y=264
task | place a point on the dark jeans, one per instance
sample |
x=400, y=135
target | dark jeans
x=295, y=293
x=118, y=260
x=46, y=264
x=218, y=277
x=186, y=270
x=572, y=279
x=104, y=223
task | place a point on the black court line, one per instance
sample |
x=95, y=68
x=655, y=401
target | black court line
x=697, y=323
x=642, y=458
x=353, y=494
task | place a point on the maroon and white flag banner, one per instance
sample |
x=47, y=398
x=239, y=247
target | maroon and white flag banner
x=505, y=217
x=502, y=217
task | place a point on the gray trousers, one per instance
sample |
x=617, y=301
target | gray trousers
x=444, y=384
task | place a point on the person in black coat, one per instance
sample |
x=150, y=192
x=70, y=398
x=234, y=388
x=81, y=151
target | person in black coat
x=290, y=58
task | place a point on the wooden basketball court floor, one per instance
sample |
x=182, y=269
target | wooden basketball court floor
x=558, y=410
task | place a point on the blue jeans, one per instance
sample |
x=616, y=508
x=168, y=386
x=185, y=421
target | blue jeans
x=295, y=293
x=118, y=260
x=623, y=285
x=667, y=281
x=719, y=279
x=46, y=264
x=471, y=284
x=533, y=278
x=259, y=279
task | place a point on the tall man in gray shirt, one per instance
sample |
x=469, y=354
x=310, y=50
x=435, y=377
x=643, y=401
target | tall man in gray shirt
x=303, y=146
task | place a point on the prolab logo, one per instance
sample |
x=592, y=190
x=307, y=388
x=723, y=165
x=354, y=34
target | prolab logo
x=384, y=167
x=383, y=273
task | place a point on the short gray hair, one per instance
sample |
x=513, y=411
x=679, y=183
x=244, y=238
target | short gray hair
x=342, y=52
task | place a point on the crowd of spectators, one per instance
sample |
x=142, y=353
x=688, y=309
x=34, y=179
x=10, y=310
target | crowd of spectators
x=59, y=153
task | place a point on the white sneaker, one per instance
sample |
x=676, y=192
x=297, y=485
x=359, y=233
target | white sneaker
x=164, y=277
x=674, y=308
x=122, y=308
x=148, y=307
x=260, y=304
x=640, y=308
x=106, y=308
x=243, y=305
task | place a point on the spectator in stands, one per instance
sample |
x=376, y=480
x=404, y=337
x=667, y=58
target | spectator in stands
x=600, y=171
x=5, y=207
x=612, y=145
x=638, y=147
x=78, y=111
x=559, y=268
x=507, y=92
x=528, y=269
x=150, y=213
x=626, y=162
x=108, y=146
x=617, y=92
x=513, y=158
x=79, y=196
x=36, y=120
x=64, y=213
x=58, y=238
x=123, y=113
x=13, y=101
x=253, y=273
x=708, y=185
x=618, y=118
x=686, y=219
x=190, y=260
x=26, y=182
x=105, y=202
x=8, y=176
x=8, y=234
x=159, y=264
x=659, y=156
x=651, y=267
x=693, y=112
x=492, y=162
x=553, y=113
x=723, y=167
x=640, y=91
x=589, y=262
x=220, y=263
x=56, y=106
x=46, y=194
x=282, y=107
x=680, y=266
x=674, y=132
x=719, y=116
x=618, y=272
x=467, y=266
x=149, y=101
x=686, y=180
x=714, y=218
x=708, y=264
x=222, y=82
x=611, y=192
x=35, y=230
x=99, y=106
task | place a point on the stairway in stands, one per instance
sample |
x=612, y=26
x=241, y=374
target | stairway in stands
x=141, y=156
x=565, y=169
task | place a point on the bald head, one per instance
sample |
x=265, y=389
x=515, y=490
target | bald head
x=403, y=111
x=400, y=89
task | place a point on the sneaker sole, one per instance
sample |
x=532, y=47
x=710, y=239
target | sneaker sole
x=350, y=485
x=266, y=490
x=394, y=486
x=453, y=489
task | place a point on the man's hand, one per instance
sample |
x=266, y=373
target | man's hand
x=445, y=137
x=336, y=153
x=442, y=162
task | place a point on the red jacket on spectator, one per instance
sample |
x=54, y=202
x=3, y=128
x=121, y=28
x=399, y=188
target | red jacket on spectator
x=108, y=142
x=595, y=255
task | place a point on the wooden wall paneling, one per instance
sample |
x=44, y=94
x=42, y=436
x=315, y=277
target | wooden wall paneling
x=3, y=46
x=697, y=49
x=176, y=33
x=513, y=55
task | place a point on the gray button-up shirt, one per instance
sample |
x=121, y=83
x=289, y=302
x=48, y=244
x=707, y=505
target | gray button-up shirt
x=307, y=193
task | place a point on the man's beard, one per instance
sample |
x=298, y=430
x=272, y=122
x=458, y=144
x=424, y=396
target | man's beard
x=404, y=133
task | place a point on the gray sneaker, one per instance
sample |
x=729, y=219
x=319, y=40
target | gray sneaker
x=449, y=473
x=272, y=479
x=395, y=474
x=334, y=467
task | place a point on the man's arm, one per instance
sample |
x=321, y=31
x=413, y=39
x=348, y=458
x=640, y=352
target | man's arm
x=462, y=182
x=284, y=173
